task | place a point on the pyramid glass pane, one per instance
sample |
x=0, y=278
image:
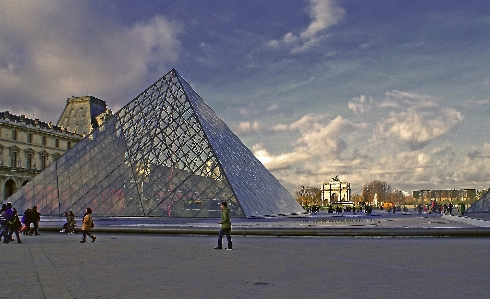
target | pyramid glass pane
x=482, y=205
x=165, y=154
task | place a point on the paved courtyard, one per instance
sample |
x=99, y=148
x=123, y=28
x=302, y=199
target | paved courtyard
x=55, y=265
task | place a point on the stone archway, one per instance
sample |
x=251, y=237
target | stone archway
x=10, y=188
x=24, y=183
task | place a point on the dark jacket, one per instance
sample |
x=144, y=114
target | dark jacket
x=225, y=218
x=27, y=218
x=14, y=223
x=10, y=214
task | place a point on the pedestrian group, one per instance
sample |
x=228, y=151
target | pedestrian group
x=11, y=224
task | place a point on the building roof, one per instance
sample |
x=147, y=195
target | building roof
x=22, y=121
x=80, y=114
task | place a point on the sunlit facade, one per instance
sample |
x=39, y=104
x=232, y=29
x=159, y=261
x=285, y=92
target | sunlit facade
x=336, y=192
x=28, y=146
x=444, y=195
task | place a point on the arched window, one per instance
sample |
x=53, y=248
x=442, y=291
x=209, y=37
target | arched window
x=10, y=188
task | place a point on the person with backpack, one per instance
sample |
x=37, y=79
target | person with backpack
x=87, y=225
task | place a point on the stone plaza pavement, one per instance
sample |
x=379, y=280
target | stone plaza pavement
x=145, y=265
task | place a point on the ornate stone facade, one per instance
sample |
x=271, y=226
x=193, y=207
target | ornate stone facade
x=28, y=146
x=83, y=114
x=336, y=192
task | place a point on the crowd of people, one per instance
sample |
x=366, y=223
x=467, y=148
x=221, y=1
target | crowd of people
x=437, y=208
x=11, y=224
x=432, y=207
x=367, y=209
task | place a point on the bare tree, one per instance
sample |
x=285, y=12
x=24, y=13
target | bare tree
x=308, y=195
x=378, y=188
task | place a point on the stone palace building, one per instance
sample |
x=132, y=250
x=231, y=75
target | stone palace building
x=28, y=146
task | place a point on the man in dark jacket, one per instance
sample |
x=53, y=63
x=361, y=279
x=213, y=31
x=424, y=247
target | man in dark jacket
x=10, y=215
x=225, y=227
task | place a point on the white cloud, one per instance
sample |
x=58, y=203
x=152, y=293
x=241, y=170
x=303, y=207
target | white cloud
x=278, y=162
x=290, y=38
x=475, y=166
x=327, y=147
x=417, y=119
x=273, y=107
x=326, y=139
x=60, y=49
x=361, y=104
x=306, y=121
x=323, y=15
x=247, y=127
x=317, y=151
x=280, y=127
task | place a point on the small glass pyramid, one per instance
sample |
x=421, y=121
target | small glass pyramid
x=482, y=205
x=165, y=154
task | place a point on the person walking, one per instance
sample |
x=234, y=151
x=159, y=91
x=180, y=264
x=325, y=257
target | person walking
x=10, y=214
x=4, y=224
x=15, y=226
x=71, y=222
x=462, y=208
x=27, y=220
x=225, y=227
x=64, y=230
x=87, y=224
x=36, y=217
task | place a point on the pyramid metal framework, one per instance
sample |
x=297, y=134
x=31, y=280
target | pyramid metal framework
x=165, y=154
x=482, y=205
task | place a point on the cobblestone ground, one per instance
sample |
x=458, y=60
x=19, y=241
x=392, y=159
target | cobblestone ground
x=55, y=265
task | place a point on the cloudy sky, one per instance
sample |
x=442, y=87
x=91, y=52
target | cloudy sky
x=396, y=91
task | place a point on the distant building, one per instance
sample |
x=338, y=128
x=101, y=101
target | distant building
x=28, y=146
x=336, y=192
x=444, y=195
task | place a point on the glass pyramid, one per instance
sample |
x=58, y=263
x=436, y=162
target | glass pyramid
x=481, y=205
x=165, y=154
